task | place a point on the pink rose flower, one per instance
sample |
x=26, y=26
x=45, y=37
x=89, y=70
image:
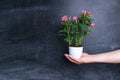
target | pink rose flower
x=89, y=12
x=64, y=18
x=92, y=24
x=83, y=12
x=75, y=18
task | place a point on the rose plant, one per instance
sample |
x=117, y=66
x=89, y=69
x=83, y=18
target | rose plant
x=76, y=28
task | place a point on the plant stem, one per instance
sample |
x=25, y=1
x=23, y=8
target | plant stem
x=68, y=33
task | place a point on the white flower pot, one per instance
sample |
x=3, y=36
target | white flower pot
x=76, y=52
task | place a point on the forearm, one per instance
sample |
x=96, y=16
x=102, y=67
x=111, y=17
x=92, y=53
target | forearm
x=109, y=57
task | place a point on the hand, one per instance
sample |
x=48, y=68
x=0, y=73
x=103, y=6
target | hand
x=85, y=58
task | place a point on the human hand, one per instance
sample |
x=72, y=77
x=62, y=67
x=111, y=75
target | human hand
x=85, y=58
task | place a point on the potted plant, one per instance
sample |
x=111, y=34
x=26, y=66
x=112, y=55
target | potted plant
x=74, y=29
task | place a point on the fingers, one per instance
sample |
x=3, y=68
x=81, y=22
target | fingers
x=76, y=60
x=72, y=60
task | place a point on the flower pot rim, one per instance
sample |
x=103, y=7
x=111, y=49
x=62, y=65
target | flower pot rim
x=75, y=46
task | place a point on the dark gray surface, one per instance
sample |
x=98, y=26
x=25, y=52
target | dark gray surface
x=27, y=70
x=30, y=48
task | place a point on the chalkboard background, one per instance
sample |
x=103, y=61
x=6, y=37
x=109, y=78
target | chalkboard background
x=30, y=48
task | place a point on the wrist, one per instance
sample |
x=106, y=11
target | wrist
x=92, y=59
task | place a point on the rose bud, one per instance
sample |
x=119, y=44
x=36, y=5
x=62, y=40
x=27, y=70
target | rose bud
x=75, y=18
x=92, y=24
x=89, y=13
x=64, y=18
x=83, y=12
